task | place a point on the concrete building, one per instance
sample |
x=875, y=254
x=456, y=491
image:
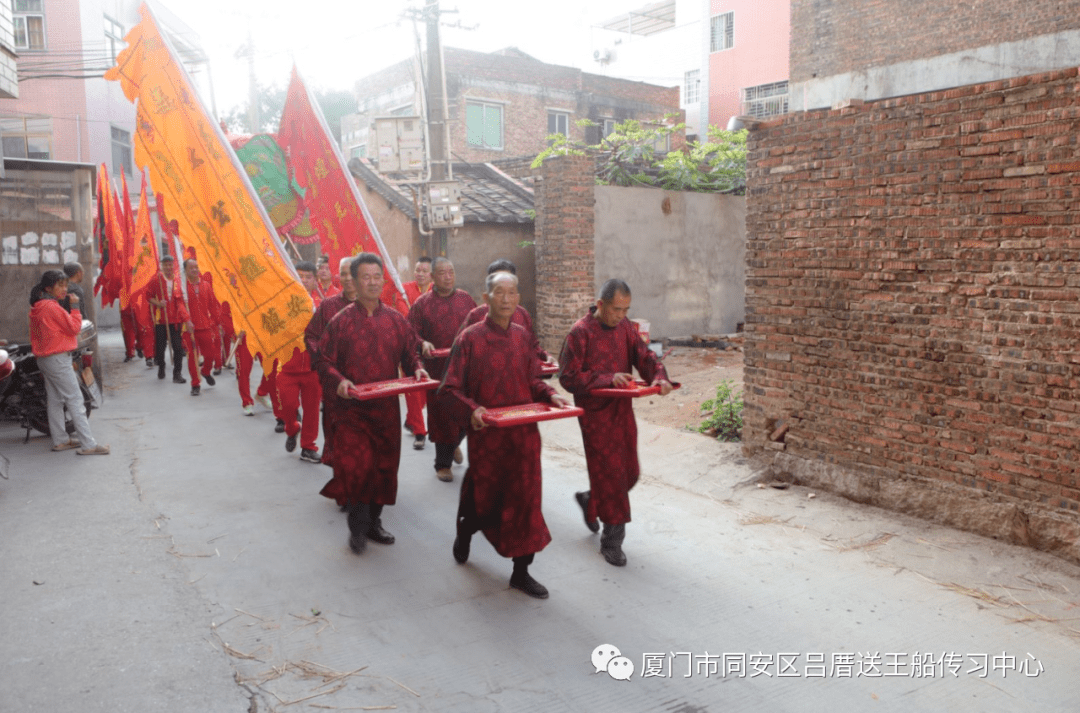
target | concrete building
x=504, y=104
x=660, y=43
x=65, y=110
x=730, y=57
x=748, y=58
x=9, y=82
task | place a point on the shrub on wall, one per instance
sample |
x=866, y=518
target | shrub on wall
x=628, y=156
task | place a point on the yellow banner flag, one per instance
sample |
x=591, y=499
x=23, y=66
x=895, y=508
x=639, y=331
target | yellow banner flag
x=215, y=205
x=145, y=264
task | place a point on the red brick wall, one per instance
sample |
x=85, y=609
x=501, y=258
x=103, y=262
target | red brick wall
x=565, y=247
x=837, y=36
x=913, y=291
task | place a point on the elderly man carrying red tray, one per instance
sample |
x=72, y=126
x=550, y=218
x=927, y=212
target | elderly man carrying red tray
x=436, y=316
x=600, y=351
x=365, y=342
x=494, y=364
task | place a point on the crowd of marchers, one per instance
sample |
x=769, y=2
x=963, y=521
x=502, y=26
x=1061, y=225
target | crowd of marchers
x=474, y=361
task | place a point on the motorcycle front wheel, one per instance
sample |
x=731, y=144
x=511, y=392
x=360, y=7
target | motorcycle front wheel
x=38, y=418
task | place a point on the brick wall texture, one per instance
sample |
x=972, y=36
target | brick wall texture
x=913, y=290
x=565, y=247
x=837, y=36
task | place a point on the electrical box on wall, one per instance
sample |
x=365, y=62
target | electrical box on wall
x=399, y=144
x=444, y=205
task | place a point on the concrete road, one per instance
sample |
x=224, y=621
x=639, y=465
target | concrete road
x=197, y=569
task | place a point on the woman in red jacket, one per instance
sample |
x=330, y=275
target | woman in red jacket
x=53, y=335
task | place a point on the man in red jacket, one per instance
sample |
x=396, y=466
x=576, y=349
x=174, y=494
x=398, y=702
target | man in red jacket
x=166, y=299
x=204, y=315
x=298, y=387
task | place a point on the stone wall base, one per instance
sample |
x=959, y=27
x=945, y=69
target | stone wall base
x=984, y=513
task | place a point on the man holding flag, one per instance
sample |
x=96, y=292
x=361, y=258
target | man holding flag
x=204, y=314
x=166, y=297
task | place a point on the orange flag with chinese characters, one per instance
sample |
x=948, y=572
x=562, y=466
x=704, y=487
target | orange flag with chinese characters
x=337, y=209
x=109, y=244
x=130, y=240
x=145, y=263
x=210, y=196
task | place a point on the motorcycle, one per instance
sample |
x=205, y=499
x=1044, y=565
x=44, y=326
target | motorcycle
x=22, y=394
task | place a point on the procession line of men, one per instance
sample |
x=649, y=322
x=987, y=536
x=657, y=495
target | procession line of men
x=362, y=332
x=495, y=361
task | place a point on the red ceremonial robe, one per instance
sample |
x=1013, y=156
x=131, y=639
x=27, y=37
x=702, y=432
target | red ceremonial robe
x=328, y=309
x=521, y=316
x=491, y=367
x=590, y=358
x=437, y=319
x=363, y=348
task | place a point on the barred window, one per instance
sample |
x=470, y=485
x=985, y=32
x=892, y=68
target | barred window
x=765, y=100
x=722, y=32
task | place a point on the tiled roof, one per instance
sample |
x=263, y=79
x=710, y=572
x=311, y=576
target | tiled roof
x=487, y=194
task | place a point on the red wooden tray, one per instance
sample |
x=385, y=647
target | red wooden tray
x=506, y=416
x=391, y=387
x=638, y=389
x=439, y=353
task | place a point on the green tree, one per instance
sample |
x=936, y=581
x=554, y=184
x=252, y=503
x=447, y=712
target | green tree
x=629, y=157
x=335, y=103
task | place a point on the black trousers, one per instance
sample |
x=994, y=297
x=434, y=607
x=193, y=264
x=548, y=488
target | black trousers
x=469, y=523
x=171, y=334
x=444, y=452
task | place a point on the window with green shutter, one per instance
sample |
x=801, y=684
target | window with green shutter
x=484, y=125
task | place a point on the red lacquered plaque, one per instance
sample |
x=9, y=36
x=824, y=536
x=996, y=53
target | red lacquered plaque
x=439, y=353
x=636, y=389
x=505, y=416
x=549, y=369
x=391, y=387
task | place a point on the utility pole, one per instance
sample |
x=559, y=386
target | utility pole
x=248, y=50
x=436, y=106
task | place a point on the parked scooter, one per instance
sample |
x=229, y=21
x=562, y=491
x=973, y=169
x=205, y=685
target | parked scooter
x=23, y=397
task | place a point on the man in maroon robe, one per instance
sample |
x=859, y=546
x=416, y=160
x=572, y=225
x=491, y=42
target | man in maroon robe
x=367, y=341
x=313, y=333
x=416, y=400
x=600, y=351
x=521, y=315
x=493, y=364
x=436, y=317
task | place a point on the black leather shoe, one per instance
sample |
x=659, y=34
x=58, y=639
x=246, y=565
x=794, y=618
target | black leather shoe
x=376, y=533
x=160, y=371
x=128, y=358
x=357, y=543
x=583, y=500
x=279, y=427
x=461, y=548
x=290, y=444
x=177, y=379
x=194, y=390
x=525, y=582
x=209, y=379
x=614, y=556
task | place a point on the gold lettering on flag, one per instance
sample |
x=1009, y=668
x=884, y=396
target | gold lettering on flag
x=222, y=218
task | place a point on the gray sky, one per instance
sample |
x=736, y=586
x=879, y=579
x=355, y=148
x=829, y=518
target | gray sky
x=336, y=43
